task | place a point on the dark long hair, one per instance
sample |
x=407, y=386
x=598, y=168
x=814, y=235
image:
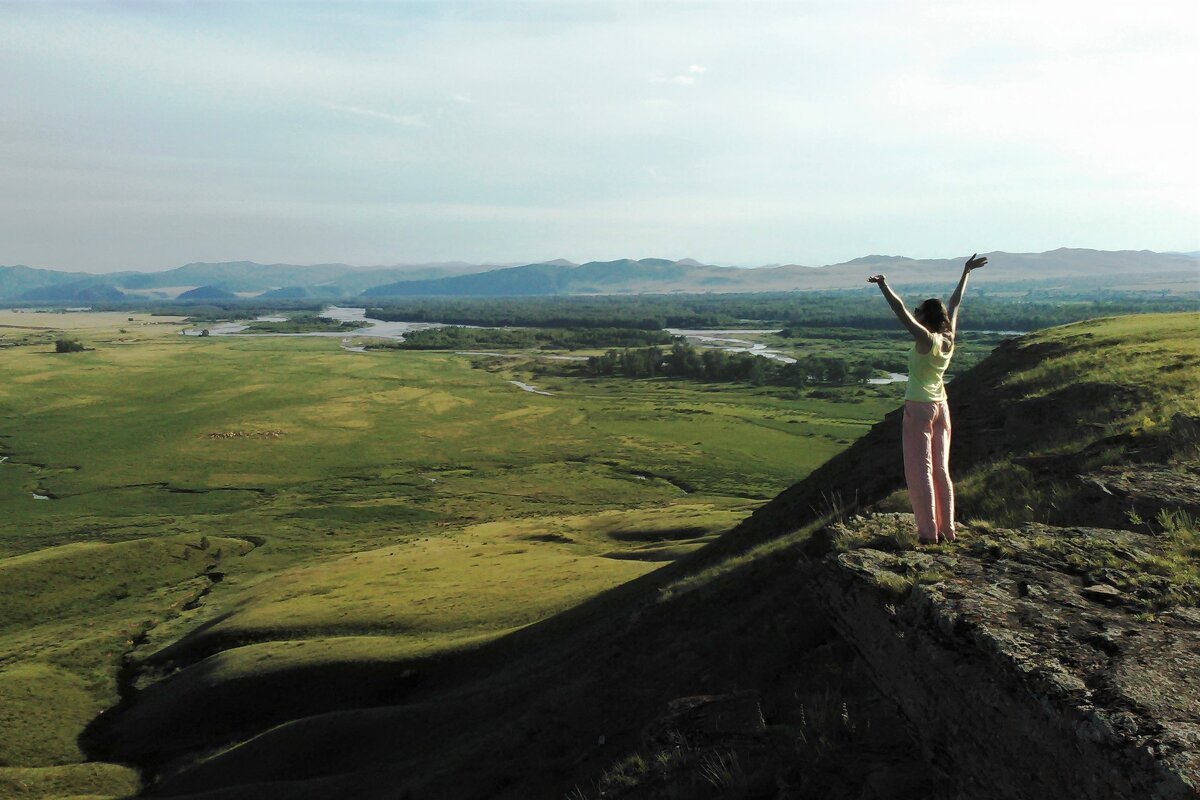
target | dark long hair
x=932, y=314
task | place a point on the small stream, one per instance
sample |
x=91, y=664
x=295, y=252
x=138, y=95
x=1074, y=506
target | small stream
x=34, y=494
x=530, y=388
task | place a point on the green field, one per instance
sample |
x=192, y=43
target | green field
x=263, y=503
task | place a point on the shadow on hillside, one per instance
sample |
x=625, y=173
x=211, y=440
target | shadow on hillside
x=572, y=694
x=147, y=729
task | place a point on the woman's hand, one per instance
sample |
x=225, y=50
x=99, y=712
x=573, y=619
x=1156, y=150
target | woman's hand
x=975, y=262
x=880, y=279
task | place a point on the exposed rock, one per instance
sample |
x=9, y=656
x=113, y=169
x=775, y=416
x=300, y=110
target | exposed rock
x=1103, y=593
x=1146, y=489
x=1185, y=428
x=247, y=434
x=1024, y=680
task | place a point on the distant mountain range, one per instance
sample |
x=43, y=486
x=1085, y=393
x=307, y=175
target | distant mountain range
x=198, y=282
x=243, y=278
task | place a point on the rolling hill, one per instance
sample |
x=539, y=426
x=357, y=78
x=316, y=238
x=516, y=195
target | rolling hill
x=17, y=280
x=203, y=293
x=82, y=292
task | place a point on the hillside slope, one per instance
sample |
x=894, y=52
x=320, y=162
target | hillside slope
x=594, y=277
x=89, y=290
x=18, y=279
x=764, y=630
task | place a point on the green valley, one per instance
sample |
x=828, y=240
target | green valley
x=300, y=503
x=258, y=565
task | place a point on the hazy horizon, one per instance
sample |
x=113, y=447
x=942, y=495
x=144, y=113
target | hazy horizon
x=146, y=136
x=495, y=264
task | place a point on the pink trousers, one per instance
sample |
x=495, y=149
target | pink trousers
x=927, y=467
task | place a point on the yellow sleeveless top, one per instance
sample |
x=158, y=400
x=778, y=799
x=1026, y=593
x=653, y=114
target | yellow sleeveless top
x=925, y=371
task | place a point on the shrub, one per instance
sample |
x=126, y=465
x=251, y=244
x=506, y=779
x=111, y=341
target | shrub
x=724, y=772
x=625, y=774
x=67, y=346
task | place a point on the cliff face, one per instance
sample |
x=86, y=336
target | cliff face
x=1023, y=678
x=1020, y=665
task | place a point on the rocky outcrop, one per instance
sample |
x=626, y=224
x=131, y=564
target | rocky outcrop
x=1146, y=491
x=702, y=719
x=1026, y=671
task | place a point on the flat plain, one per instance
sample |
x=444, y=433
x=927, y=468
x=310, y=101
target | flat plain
x=282, y=501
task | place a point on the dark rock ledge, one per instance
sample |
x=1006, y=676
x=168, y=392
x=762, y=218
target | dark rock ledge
x=1026, y=673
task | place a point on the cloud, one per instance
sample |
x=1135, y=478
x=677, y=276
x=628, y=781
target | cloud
x=407, y=120
x=1076, y=129
x=679, y=80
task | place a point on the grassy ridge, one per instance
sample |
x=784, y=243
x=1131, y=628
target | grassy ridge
x=1114, y=385
x=69, y=614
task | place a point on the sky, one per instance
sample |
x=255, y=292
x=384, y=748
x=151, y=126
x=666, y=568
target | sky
x=144, y=135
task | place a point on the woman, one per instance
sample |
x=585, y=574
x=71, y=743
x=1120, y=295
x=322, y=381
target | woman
x=926, y=415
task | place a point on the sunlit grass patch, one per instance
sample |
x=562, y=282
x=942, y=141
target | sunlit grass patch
x=427, y=589
x=51, y=584
x=68, y=616
x=92, y=781
x=43, y=707
x=1158, y=355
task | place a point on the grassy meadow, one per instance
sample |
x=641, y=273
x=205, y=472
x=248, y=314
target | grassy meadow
x=227, y=508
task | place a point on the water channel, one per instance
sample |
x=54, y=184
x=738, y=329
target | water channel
x=726, y=340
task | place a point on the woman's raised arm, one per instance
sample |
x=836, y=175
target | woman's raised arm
x=974, y=262
x=918, y=331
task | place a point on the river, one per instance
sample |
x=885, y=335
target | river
x=722, y=340
x=379, y=329
x=375, y=328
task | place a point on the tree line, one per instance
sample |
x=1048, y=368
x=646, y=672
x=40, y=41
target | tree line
x=302, y=323
x=1018, y=309
x=683, y=360
x=846, y=309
